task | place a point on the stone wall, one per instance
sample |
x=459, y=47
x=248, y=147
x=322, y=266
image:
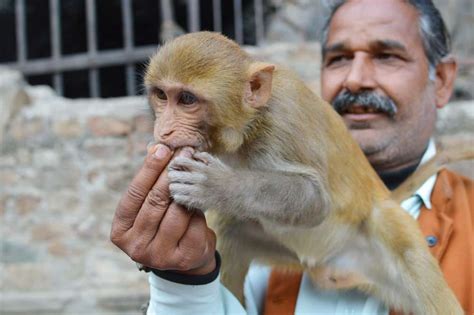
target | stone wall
x=63, y=167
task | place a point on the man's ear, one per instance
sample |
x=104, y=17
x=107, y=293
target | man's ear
x=258, y=88
x=445, y=76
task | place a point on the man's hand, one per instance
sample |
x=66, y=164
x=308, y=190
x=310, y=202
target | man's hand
x=157, y=232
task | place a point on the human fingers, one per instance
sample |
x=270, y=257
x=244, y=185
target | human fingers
x=197, y=247
x=134, y=197
x=183, y=243
x=155, y=205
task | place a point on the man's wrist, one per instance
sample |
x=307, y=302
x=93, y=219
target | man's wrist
x=193, y=277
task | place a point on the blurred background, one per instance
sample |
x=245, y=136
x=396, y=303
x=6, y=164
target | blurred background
x=74, y=127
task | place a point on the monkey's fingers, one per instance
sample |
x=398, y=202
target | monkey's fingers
x=177, y=189
x=187, y=195
x=210, y=160
x=203, y=157
x=178, y=176
x=183, y=163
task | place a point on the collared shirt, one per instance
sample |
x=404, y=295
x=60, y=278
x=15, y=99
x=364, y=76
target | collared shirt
x=167, y=297
x=422, y=196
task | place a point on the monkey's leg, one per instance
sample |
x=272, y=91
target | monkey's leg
x=235, y=265
x=389, y=259
x=418, y=271
x=240, y=242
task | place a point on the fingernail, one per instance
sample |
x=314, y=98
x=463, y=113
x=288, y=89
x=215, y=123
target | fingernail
x=186, y=152
x=162, y=151
x=150, y=146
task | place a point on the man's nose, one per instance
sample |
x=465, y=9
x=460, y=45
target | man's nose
x=360, y=76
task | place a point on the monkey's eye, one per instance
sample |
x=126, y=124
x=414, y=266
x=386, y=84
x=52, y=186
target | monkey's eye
x=187, y=98
x=160, y=94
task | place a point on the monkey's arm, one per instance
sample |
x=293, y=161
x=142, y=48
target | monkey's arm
x=289, y=197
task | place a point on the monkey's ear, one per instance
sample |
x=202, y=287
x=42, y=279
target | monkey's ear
x=258, y=89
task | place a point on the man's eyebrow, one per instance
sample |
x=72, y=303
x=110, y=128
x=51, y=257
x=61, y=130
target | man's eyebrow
x=383, y=44
x=379, y=44
x=335, y=47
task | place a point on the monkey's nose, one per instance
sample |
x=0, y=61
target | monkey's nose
x=166, y=133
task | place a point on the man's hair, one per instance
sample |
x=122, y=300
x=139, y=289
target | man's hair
x=433, y=31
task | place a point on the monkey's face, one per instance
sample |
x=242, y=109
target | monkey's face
x=203, y=94
x=181, y=116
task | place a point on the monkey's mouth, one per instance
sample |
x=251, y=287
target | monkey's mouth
x=178, y=143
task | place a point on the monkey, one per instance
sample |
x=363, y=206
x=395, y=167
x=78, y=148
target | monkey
x=444, y=156
x=281, y=179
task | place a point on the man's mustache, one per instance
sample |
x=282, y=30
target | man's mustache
x=343, y=102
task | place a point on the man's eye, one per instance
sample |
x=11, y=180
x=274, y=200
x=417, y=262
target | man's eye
x=187, y=98
x=385, y=56
x=160, y=94
x=336, y=59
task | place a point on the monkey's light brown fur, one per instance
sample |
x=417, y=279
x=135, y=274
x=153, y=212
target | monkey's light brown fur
x=289, y=186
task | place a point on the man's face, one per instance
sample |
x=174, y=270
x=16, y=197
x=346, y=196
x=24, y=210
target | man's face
x=374, y=47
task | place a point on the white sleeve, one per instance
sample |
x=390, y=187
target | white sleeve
x=167, y=297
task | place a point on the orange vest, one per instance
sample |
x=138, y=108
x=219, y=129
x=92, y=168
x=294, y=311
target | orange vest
x=450, y=221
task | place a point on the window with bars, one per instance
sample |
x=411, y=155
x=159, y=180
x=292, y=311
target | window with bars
x=92, y=48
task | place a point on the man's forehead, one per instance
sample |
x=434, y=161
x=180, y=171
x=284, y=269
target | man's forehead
x=374, y=21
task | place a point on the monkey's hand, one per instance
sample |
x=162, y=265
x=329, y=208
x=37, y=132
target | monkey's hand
x=195, y=183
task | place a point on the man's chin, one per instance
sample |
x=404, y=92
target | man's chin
x=370, y=141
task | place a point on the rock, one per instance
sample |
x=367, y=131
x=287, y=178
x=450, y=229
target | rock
x=8, y=177
x=27, y=129
x=47, y=232
x=144, y=123
x=46, y=158
x=12, y=97
x=69, y=128
x=107, y=126
x=106, y=149
x=14, y=252
x=25, y=204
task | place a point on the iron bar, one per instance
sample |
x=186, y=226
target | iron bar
x=238, y=22
x=92, y=47
x=55, y=19
x=127, y=24
x=217, y=15
x=259, y=31
x=84, y=60
x=193, y=16
x=20, y=20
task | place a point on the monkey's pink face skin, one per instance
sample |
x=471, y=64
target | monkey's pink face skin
x=180, y=116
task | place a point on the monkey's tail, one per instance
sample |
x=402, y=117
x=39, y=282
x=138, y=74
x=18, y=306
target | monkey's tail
x=405, y=275
x=444, y=157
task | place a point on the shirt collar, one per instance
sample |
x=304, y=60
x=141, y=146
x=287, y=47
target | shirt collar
x=425, y=190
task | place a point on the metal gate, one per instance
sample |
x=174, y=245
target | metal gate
x=93, y=59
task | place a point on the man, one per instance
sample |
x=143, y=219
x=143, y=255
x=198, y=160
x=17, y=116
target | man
x=386, y=69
